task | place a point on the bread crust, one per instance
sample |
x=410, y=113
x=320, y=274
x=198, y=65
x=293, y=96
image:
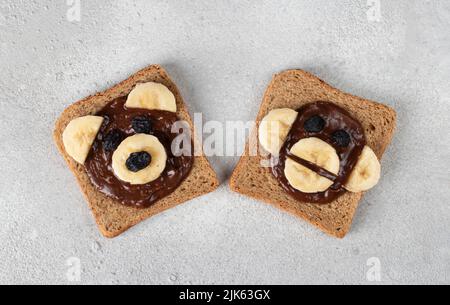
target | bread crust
x=293, y=89
x=112, y=217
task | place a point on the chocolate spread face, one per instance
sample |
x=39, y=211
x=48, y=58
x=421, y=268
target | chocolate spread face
x=337, y=128
x=118, y=125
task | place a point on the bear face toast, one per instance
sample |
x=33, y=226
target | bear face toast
x=320, y=150
x=131, y=158
x=118, y=145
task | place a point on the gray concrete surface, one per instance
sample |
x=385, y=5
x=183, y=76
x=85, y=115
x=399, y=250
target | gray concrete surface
x=222, y=55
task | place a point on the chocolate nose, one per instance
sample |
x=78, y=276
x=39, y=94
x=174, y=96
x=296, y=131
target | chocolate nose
x=138, y=161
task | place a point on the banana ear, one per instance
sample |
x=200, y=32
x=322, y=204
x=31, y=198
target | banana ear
x=152, y=96
x=274, y=129
x=79, y=136
x=366, y=173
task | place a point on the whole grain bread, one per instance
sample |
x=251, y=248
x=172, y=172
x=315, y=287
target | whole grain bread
x=113, y=218
x=293, y=89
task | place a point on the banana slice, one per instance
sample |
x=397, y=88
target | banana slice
x=318, y=152
x=274, y=129
x=152, y=96
x=79, y=136
x=366, y=173
x=135, y=144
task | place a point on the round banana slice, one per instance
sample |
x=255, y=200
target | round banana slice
x=79, y=136
x=152, y=96
x=318, y=152
x=274, y=129
x=366, y=173
x=135, y=144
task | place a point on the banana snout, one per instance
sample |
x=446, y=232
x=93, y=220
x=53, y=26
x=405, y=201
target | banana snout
x=137, y=144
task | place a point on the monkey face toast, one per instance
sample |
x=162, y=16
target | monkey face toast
x=303, y=166
x=318, y=152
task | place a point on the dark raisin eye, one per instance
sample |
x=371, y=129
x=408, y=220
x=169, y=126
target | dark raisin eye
x=138, y=161
x=112, y=140
x=314, y=124
x=141, y=124
x=341, y=138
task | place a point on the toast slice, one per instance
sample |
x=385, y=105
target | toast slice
x=293, y=89
x=112, y=217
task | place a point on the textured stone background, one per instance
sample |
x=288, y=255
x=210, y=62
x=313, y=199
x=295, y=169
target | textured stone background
x=222, y=54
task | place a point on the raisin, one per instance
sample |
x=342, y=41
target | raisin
x=314, y=124
x=141, y=124
x=112, y=140
x=341, y=138
x=138, y=161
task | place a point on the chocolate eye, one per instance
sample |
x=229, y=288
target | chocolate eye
x=314, y=124
x=138, y=161
x=142, y=124
x=341, y=138
x=112, y=140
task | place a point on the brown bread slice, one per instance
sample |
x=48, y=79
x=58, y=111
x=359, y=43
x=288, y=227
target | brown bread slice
x=293, y=89
x=113, y=218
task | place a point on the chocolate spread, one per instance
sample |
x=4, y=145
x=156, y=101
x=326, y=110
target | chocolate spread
x=336, y=119
x=99, y=162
